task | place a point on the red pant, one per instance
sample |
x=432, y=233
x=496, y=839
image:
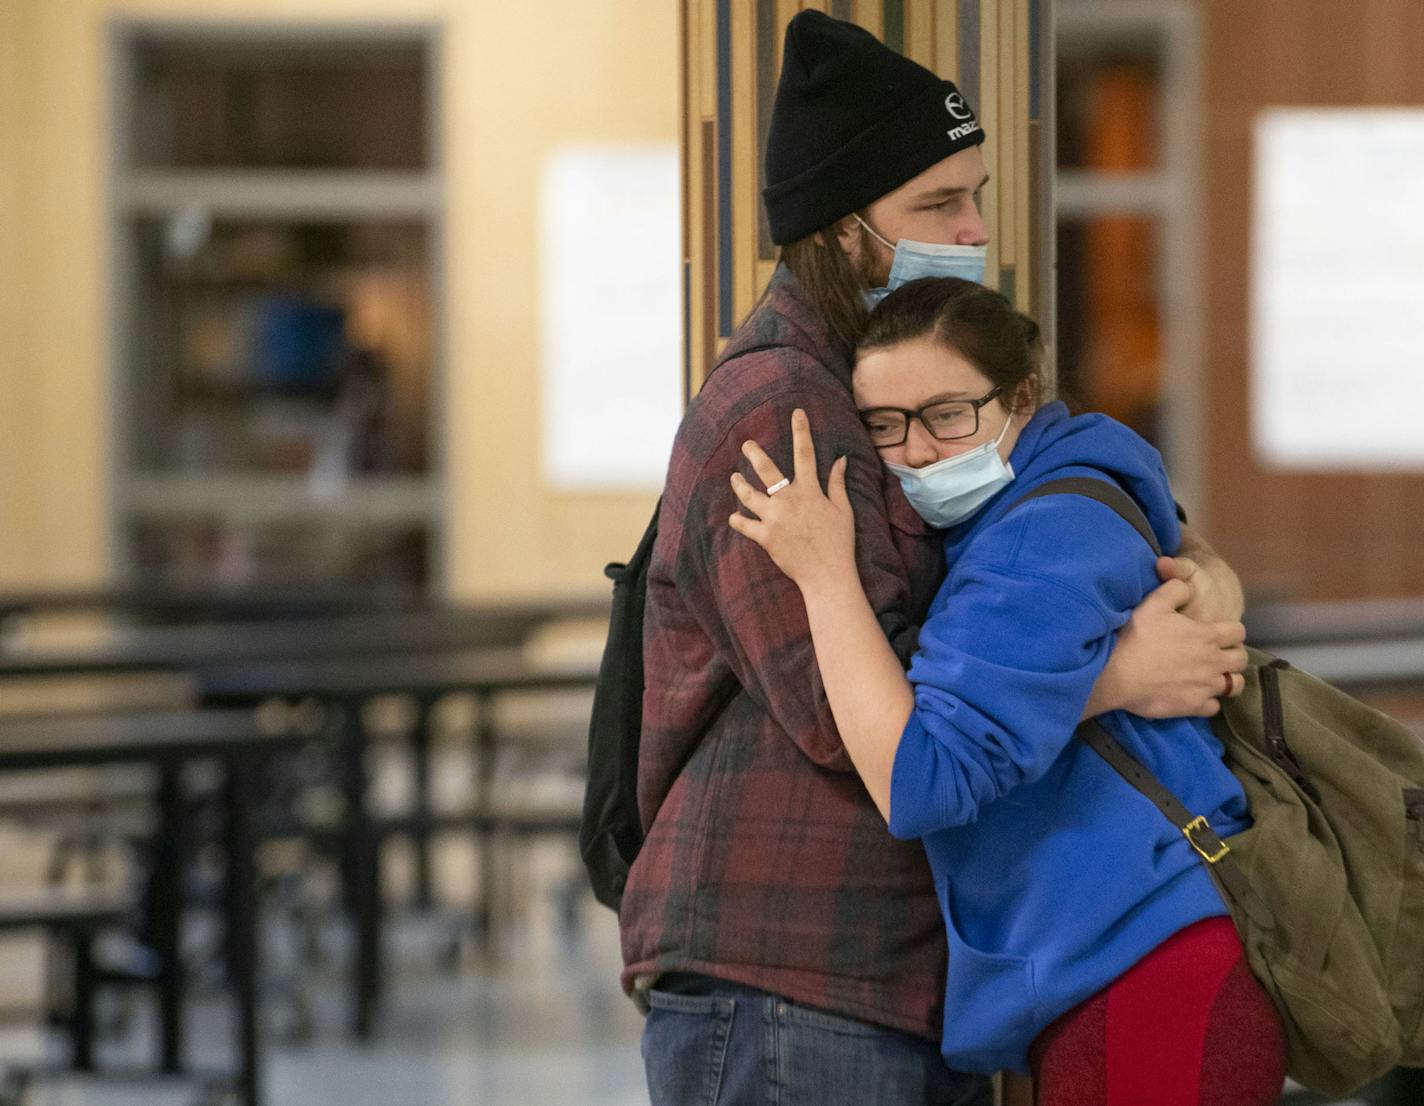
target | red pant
x=1188, y=1025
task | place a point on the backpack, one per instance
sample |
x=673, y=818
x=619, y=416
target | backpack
x=1326, y=887
x=610, y=829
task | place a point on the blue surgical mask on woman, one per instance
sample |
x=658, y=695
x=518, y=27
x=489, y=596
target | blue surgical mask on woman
x=924, y=259
x=951, y=490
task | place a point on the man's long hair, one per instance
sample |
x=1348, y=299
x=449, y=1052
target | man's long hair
x=831, y=281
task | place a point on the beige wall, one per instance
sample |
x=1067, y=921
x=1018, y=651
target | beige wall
x=16, y=522
x=520, y=78
x=1303, y=535
x=51, y=449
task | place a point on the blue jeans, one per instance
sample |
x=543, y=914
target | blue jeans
x=711, y=1043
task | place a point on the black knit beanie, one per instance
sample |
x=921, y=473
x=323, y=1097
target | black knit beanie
x=852, y=121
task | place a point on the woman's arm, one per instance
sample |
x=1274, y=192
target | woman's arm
x=1166, y=664
x=814, y=544
x=986, y=714
x=870, y=698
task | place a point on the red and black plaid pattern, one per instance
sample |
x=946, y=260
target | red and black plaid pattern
x=766, y=862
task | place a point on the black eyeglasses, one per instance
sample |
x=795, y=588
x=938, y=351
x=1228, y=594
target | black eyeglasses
x=947, y=420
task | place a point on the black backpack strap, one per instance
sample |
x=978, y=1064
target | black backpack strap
x=1109, y=495
x=1229, y=877
x=762, y=348
x=614, y=570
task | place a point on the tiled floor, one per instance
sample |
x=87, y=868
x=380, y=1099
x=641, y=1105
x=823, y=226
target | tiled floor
x=546, y=1025
x=541, y=1023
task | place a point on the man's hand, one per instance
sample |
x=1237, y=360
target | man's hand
x=1168, y=665
x=1216, y=590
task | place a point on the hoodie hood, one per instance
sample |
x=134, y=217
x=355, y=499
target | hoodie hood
x=1055, y=444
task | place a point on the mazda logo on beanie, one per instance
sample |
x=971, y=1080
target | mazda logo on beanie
x=954, y=104
x=852, y=120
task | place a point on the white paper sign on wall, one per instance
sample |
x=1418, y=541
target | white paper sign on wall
x=1337, y=289
x=610, y=315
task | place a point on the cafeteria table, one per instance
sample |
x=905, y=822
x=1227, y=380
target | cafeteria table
x=182, y=648
x=169, y=741
x=346, y=683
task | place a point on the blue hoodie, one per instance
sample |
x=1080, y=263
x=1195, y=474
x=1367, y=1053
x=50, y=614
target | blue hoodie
x=1054, y=875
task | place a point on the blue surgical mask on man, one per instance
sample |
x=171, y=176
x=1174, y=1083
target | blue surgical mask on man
x=951, y=490
x=924, y=259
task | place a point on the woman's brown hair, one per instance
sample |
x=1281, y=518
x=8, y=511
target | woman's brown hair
x=974, y=321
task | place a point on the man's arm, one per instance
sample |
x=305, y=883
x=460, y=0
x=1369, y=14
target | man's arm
x=1184, y=648
x=1216, y=589
x=1168, y=665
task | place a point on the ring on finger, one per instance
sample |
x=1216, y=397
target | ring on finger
x=783, y=482
x=1229, y=685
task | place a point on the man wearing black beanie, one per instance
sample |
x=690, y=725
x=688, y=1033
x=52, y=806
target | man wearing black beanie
x=872, y=149
x=786, y=947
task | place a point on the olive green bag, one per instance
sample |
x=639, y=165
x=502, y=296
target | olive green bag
x=1336, y=850
x=1327, y=886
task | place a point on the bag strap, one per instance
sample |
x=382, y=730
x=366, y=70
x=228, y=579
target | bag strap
x=1229, y=877
x=1215, y=853
x=761, y=347
x=1109, y=495
x=614, y=569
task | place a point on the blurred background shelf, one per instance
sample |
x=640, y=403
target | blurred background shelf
x=1125, y=195
x=285, y=192
x=1083, y=195
x=393, y=500
x=276, y=209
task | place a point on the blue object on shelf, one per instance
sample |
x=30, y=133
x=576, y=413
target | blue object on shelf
x=298, y=344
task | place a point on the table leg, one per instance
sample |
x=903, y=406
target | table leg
x=165, y=905
x=81, y=1026
x=420, y=835
x=241, y=893
x=484, y=786
x=361, y=868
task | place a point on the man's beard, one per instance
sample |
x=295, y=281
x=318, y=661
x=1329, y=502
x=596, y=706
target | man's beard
x=872, y=270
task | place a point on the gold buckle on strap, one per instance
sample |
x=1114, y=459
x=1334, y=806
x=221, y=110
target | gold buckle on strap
x=1197, y=825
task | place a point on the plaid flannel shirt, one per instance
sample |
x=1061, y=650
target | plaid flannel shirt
x=766, y=862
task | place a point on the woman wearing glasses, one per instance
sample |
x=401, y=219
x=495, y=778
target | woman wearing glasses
x=1086, y=939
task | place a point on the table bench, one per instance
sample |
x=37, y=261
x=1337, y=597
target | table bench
x=345, y=684
x=185, y=647
x=240, y=741
x=74, y=918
